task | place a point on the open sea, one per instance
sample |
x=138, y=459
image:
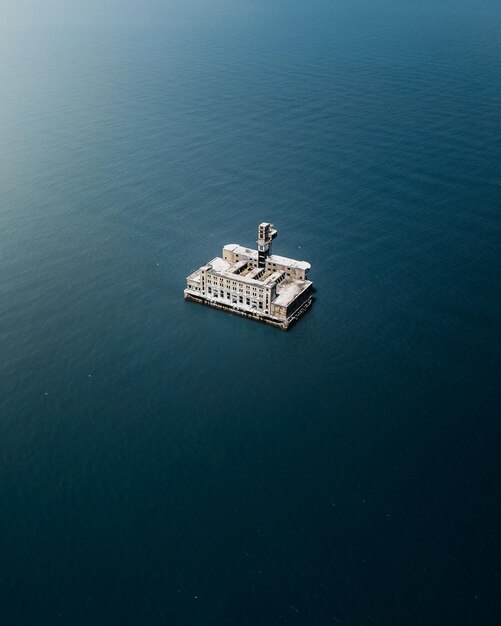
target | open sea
x=164, y=463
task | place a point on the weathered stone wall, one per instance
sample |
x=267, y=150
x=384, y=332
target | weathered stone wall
x=299, y=301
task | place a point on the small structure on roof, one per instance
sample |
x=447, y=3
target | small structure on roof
x=254, y=283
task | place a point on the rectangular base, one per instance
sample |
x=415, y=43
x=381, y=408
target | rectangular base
x=258, y=317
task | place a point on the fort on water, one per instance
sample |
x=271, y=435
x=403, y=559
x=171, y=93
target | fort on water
x=254, y=283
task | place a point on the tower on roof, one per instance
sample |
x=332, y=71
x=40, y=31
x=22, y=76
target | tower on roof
x=265, y=235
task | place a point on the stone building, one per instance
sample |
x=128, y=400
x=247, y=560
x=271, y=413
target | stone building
x=254, y=283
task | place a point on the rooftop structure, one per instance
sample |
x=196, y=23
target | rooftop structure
x=254, y=283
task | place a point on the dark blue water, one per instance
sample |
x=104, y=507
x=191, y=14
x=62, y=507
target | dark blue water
x=166, y=463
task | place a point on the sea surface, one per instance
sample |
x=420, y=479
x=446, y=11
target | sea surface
x=166, y=463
